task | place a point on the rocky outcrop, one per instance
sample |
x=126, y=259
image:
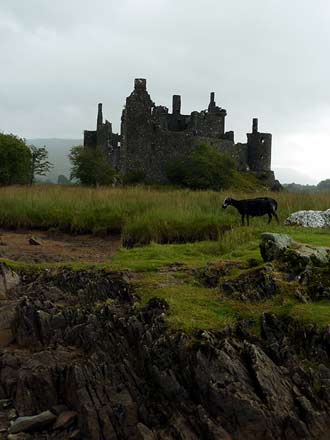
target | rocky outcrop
x=297, y=256
x=8, y=280
x=310, y=219
x=253, y=285
x=33, y=423
x=102, y=367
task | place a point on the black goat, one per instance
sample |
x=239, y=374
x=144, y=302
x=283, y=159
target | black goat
x=254, y=207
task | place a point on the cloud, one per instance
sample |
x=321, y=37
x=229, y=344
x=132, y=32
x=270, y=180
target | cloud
x=264, y=58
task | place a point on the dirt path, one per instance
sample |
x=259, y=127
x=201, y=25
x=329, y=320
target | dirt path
x=56, y=248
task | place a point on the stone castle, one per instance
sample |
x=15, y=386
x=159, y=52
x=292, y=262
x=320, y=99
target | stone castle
x=150, y=137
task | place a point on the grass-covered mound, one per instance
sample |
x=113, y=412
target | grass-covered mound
x=192, y=278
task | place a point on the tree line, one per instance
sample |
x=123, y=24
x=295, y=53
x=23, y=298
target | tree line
x=204, y=168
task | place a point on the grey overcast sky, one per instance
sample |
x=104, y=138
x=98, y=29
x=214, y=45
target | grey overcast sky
x=263, y=58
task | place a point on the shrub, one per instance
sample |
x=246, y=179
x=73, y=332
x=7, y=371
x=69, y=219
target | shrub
x=91, y=166
x=134, y=177
x=204, y=168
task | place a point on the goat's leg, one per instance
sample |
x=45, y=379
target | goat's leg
x=269, y=218
x=275, y=215
x=248, y=220
x=243, y=215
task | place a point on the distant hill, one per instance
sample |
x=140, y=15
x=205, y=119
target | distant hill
x=58, y=150
x=290, y=175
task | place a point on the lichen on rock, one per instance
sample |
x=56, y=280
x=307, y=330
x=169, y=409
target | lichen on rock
x=309, y=219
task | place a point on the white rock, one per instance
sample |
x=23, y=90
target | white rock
x=310, y=219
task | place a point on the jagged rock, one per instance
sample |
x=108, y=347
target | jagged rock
x=6, y=403
x=8, y=280
x=303, y=298
x=301, y=257
x=7, y=319
x=252, y=285
x=35, y=241
x=144, y=433
x=65, y=419
x=32, y=423
x=125, y=376
x=59, y=409
x=273, y=245
x=213, y=272
x=310, y=219
x=296, y=255
x=20, y=436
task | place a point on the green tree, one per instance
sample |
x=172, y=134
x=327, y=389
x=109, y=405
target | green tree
x=324, y=185
x=91, y=166
x=40, y=166
x=205, y=167
x=15, y=160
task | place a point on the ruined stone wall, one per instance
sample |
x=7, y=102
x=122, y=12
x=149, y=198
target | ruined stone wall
x=90, y=138
x=159, y=147
x=151, y=137
x=210, y=124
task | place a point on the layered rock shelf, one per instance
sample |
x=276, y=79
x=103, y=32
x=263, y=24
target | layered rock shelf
x=85, y=360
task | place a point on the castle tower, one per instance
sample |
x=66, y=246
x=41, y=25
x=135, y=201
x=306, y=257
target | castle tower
x=136, y=128
x=259, y=149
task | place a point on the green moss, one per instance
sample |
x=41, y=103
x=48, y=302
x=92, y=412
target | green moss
x=191, y=307
x=317, y=313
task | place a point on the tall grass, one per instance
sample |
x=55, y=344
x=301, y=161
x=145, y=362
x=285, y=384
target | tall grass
x=142, y=215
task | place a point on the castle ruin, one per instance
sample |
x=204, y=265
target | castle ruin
x=150, y=137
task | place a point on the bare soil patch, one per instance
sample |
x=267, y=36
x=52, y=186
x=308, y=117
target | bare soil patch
x=57, y=247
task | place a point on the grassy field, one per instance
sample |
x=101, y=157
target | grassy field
x=141, y=215
x=182, y=232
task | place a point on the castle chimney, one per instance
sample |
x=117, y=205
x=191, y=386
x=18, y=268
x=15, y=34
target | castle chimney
x=99, y=116
x=255, y=125
x=140, y=84
x=212, y=102
x=176, y=105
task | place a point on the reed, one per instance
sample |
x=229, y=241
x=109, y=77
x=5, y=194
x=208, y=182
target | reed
x=141, y=215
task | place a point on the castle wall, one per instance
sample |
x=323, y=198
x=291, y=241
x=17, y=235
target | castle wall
x=90, y=138
x=152, y=151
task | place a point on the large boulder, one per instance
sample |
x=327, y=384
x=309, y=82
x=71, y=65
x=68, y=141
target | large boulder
x=32, y=423
x=273, y=245
x=310, y=219
x=296, y=255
